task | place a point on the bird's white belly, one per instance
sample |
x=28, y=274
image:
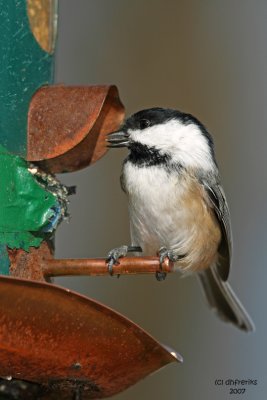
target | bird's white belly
x=157, y=215
x=168, y=209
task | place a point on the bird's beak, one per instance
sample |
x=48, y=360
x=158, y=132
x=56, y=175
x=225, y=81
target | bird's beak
x=118, y=139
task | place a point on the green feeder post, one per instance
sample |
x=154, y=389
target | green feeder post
x=27, y=208
x=27, y=32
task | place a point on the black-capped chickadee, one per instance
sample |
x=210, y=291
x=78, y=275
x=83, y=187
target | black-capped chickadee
x=177, y=205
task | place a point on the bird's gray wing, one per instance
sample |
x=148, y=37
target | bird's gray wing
x=217, y=198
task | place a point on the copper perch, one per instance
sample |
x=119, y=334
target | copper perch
x=98, y=266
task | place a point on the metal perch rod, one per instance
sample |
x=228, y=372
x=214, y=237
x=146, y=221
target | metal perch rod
x=98, y=266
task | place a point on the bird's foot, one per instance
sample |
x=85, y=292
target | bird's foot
x=118, y=252
x=165, y=253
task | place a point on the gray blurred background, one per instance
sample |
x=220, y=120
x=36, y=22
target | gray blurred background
x=208, y=58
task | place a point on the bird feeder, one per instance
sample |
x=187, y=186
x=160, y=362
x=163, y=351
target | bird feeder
x=55, y=343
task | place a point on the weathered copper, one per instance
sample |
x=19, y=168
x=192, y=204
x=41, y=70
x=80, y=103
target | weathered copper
x=39, y=264
x=28, y=265
x=98, y=266
x=67, y=342
x=67, y=125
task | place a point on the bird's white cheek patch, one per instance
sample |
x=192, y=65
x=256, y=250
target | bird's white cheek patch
x=185, y=144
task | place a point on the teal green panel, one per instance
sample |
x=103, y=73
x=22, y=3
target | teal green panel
x=24, y=67
x=4, y=260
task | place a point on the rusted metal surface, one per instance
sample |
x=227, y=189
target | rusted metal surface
x=67, y=342
x=98, y=266
x=28, y=265
x=67, y=125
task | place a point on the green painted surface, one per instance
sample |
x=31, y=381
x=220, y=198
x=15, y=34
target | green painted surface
x=26, y=208
x=24, y=67
x=4, y=260
x=21, y=240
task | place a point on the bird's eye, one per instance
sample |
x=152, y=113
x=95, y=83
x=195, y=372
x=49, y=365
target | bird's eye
x=144, y=123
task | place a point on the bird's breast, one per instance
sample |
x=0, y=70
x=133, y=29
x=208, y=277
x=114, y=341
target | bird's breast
x=170, y=209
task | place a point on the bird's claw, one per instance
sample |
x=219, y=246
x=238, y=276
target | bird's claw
x=164, y=253
x=160, y=276
x=118, y=252
x=114, y=255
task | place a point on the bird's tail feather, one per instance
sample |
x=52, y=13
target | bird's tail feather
x=222, y=298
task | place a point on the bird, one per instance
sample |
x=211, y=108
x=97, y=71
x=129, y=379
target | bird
x=177, y=205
